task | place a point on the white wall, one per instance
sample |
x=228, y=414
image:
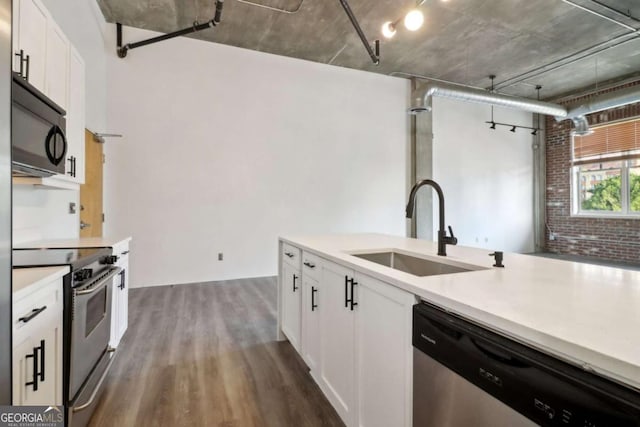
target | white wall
x=486, y=175
x=225, y=149
x=43, y=214
x=39, y=213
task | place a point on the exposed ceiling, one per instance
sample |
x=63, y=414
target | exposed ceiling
x=462, y=41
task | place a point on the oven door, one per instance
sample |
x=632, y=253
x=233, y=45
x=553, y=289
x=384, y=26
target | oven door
x=90, y=328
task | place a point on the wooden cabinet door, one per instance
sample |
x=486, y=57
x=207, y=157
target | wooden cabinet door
x=291, y=303
x=384, y=354
x=57, y=65
x=32, y=39
x=337, y=342
x=310, y=323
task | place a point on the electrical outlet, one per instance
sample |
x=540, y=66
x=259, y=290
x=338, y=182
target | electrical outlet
x=220, y=256
x=72, y=208
x=552, y=236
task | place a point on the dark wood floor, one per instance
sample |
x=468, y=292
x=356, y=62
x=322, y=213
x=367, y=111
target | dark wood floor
x=206, y=355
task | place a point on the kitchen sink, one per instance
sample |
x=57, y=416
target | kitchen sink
x=414, y=265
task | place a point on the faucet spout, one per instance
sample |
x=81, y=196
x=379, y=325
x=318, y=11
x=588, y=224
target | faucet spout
x=443, y=239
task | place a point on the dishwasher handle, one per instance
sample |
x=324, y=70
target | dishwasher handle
x=498, y=355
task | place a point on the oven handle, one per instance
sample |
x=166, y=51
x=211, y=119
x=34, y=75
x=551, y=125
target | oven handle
x=100, y=284
x=99, y=385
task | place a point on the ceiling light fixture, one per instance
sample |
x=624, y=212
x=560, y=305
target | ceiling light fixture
x=414, y=20
x=389, y=29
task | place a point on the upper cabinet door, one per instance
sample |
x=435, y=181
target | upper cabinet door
x=57, y=65
x=31, y=32
x=75, y=167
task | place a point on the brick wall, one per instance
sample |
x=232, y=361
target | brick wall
x=605, y=238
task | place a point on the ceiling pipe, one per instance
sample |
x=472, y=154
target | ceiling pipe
x=422, y=103
x=602, y=102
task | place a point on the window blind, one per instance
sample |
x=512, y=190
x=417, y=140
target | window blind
x=617, y=141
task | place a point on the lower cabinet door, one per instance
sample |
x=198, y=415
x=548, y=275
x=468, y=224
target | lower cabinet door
x=291, y=303
x=310, y=323
x=114, y=339
x=124, y=303
x=37, y=367
x=337, y=344
x=384, y=354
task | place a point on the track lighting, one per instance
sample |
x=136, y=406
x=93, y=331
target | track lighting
x=414, y=20
x=389, y=29
x=493, y=125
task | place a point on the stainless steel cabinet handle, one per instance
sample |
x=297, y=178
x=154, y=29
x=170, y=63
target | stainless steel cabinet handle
x=84, y=225
x=289, y=254
x=310, y=265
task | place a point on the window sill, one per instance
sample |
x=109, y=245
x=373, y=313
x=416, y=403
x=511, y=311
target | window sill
x=606, y=216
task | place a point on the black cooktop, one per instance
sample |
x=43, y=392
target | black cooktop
x=75, y=258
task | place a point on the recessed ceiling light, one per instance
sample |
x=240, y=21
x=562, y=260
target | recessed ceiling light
x=414, y=20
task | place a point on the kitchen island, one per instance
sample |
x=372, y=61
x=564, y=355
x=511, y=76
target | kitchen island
x=583, y=314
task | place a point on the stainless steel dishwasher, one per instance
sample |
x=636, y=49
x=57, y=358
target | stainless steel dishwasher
x=465, y=375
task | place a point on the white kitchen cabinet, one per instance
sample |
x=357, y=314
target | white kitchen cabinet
x=30, y=32
x=75, y=171
x=311, y=322
x=291, y=304
x=384, y=354
x=37, y=347
x=120, y=300
x=356, y=340
x=56, y=69
x=57, y=65
x=337, y=341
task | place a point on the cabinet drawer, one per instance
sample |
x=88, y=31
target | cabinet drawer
x=311, y=265
x=49, y=297
x=291, y=255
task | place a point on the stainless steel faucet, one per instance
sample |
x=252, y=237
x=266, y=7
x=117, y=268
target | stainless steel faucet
x=443, y=239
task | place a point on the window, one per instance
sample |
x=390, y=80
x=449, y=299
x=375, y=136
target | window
x=606, y=170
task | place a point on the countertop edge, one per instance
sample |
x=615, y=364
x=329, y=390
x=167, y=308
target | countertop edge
x=34, y=278
x=622, y=372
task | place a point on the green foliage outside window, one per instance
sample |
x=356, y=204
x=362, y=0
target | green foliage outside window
x=606, y=195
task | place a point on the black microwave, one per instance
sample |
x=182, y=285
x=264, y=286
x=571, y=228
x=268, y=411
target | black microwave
x=38, y=142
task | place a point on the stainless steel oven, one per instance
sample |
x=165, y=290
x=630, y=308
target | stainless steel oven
x=87, y=322
x=90, y=356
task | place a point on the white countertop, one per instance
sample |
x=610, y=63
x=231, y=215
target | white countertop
x=25, y=278
x=86, y=242
x=586, y=314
